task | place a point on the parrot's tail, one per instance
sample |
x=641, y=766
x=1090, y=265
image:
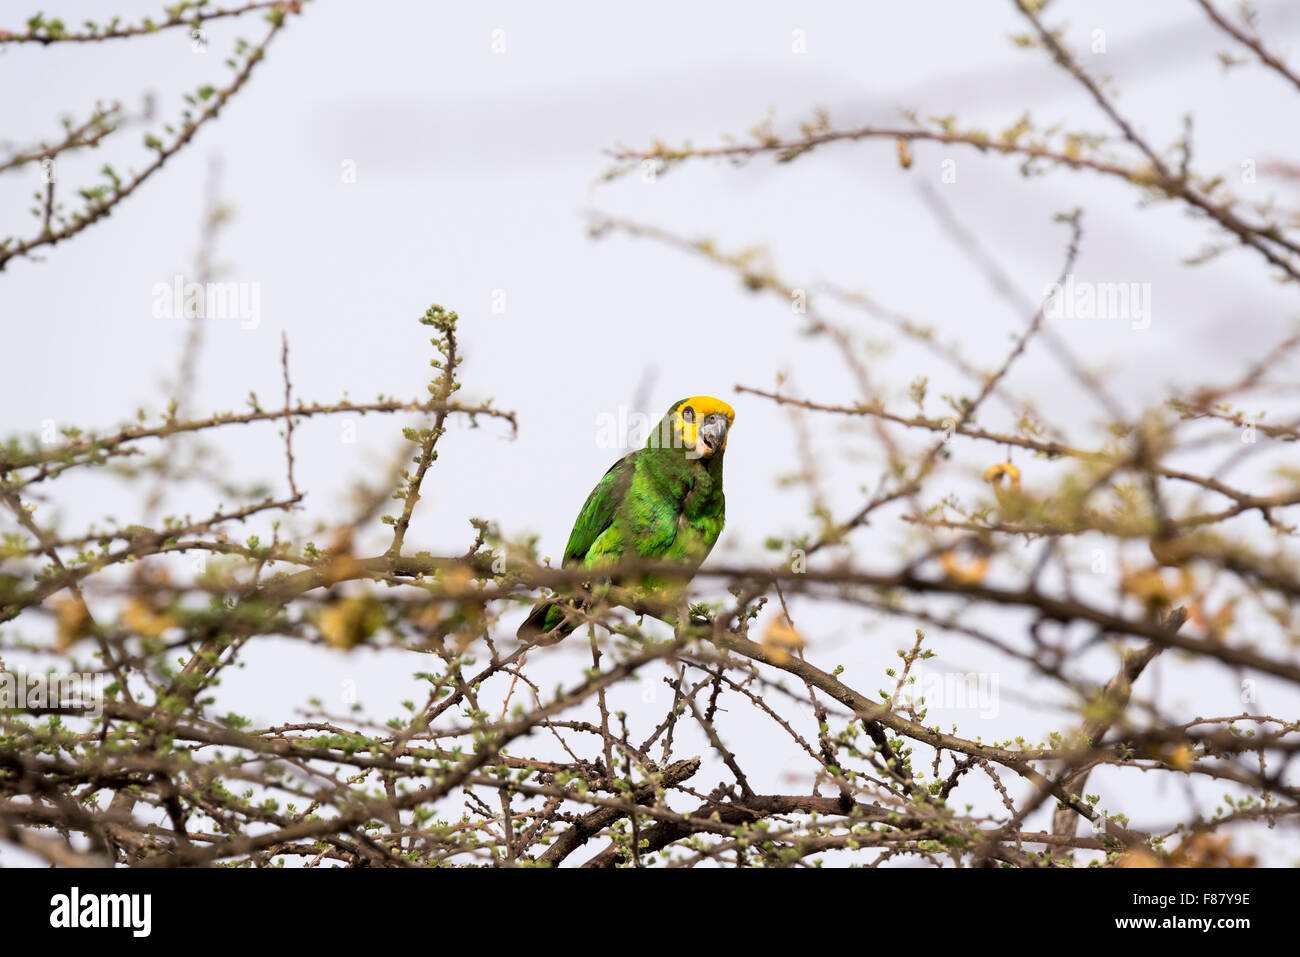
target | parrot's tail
x=546, y=623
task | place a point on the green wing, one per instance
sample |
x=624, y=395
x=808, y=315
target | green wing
x=597, y=513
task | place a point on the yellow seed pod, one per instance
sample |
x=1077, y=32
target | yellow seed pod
x=73, y=623
x=968, y=572
x=780, y=638
x=458, y=579
x=1139, y=858
x=1001, y=470
x=350, y=621
x=340, y=568
x=1172, y=552
x=904, y=153
x=427, y=616
x=1147, y=585
x=1005, y=479
x=1209, y=850
x=140, y=617
x=1181, y=758
x=1217, y=624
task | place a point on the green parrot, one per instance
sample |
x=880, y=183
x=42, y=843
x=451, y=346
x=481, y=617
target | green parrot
x=660, y=503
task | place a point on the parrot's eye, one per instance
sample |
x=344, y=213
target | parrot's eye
x=688, y=414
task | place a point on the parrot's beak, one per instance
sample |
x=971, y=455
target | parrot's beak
x=713, y=434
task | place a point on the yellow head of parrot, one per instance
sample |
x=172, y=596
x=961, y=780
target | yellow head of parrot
x=701, y=424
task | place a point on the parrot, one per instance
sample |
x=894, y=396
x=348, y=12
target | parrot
x=659, y=503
